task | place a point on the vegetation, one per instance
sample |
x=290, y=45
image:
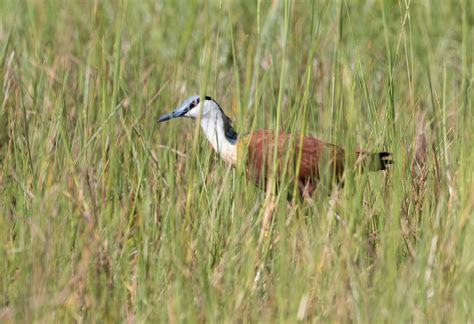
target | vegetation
x=104, y=216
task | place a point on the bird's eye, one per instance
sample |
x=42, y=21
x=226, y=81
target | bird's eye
x=191, y=106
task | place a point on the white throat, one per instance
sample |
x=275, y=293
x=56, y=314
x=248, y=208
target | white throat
x=213, y=126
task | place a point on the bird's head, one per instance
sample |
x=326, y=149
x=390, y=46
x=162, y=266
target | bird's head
x=211, y=115
x=192, y=107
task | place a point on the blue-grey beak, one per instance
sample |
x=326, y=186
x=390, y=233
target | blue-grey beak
x=178, y=112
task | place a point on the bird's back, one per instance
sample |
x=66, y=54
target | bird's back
x=302, y=159
x=296, y=158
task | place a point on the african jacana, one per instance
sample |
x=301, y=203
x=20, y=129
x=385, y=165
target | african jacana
x=256, y=149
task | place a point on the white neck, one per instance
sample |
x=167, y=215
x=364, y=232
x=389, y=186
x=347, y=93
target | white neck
x=213, y=126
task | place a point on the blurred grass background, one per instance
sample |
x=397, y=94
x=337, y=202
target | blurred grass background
x=107, y=217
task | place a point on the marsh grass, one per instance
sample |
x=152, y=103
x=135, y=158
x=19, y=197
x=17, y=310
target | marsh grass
x=106, y=216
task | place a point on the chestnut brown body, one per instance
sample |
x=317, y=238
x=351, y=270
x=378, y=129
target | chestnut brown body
x=305, y=159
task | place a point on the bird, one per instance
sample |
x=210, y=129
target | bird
x=305, y=159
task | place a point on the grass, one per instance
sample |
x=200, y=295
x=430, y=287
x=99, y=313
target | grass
x=106, y=216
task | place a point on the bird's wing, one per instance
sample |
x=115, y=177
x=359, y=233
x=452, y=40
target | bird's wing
x=290, y=154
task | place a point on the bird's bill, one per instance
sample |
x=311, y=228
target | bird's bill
x=165, y=117
x=178, y=112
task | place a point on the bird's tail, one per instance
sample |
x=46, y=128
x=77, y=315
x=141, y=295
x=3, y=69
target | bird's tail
x=374, y=161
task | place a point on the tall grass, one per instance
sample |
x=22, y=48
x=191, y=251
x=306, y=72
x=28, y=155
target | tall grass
x=107, y=217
